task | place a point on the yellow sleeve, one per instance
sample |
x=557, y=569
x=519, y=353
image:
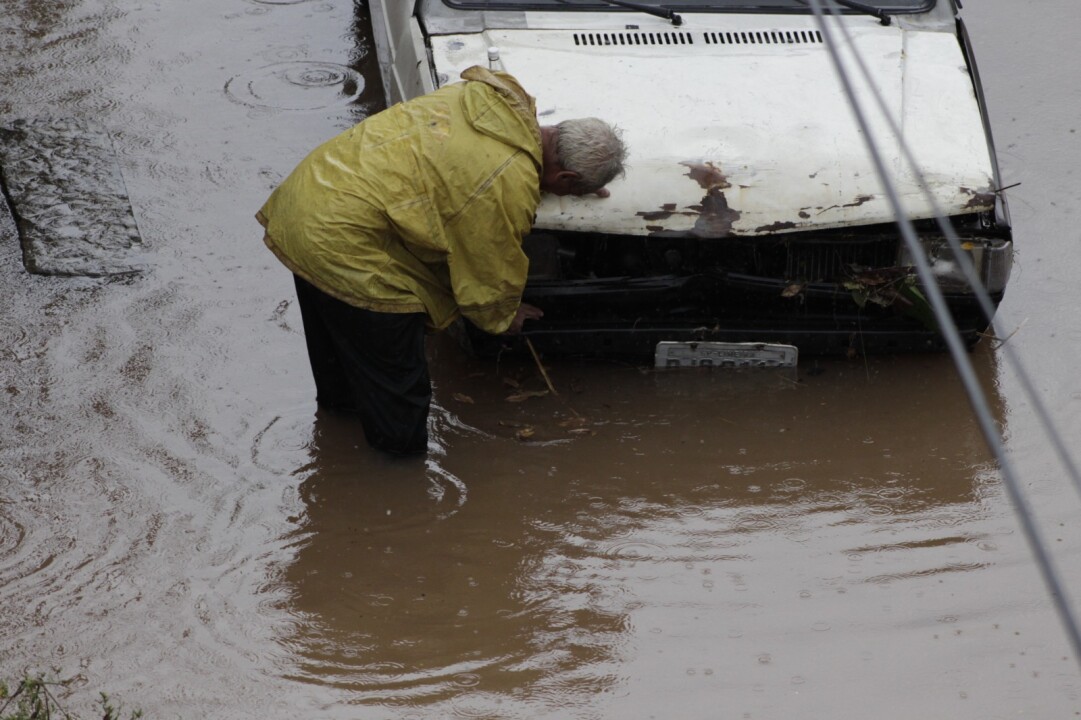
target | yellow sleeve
x=488, y=267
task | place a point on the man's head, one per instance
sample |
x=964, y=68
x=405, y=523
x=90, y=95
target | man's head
x=581, y=157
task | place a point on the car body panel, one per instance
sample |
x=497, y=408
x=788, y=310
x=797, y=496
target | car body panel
x=742, y=139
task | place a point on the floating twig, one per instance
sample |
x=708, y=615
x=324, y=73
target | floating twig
x=544, y=374
x=1003, y=341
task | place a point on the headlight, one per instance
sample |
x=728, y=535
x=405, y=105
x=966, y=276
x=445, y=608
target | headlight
x=991, y=258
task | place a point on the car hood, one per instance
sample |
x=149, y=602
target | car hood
x=742, y=134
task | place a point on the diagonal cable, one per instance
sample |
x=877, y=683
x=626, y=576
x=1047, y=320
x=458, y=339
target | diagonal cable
x=956, y=347
x=969, y=270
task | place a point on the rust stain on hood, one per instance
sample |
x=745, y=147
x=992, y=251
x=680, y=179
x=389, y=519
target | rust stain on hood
x=715, y=217
x=776, y=227
x=978, y=199
x=667, y=210
x=707, y=175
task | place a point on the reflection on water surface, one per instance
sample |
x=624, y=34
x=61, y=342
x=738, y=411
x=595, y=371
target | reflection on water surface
x=711, y=522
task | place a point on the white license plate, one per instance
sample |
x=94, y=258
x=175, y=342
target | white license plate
x=724, y=355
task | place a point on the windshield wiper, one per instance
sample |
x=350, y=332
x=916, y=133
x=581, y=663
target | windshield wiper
x=855, y=5
x=654, y=10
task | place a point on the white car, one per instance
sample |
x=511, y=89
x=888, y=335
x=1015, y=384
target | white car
x=751, y=210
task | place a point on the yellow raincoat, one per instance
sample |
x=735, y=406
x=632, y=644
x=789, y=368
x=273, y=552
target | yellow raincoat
x=421, y=207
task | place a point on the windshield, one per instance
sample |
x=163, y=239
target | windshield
x=795, y=6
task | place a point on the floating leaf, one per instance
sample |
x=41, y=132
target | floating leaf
x=525, y=433
x=573, y=422
x=580, y=432
x=919, y=307
x=511, y=382
x=792, y=290
x=460, y=397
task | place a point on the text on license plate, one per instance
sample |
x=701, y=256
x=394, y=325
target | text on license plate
x=724, y=355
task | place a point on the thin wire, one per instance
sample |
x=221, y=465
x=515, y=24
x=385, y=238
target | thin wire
x=956, y=347
x=969, y=270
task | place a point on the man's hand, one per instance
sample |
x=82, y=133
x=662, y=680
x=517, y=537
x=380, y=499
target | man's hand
x=525, y=312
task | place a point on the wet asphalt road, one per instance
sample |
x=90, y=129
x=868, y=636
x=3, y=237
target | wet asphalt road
x=181, y=528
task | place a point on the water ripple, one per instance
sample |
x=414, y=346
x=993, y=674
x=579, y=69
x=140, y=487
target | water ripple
x=12, y=534
x=637, y=551
x=16, y=344
x=296, y=85
x=758, y=521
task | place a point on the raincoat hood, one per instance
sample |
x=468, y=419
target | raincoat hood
x=486, y=113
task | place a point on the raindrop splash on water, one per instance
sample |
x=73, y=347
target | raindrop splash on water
x=296, y=85
x=635, y=551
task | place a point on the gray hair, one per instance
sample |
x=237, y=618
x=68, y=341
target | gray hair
x=593, y=149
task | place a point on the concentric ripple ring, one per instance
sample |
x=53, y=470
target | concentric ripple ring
x=296, y=85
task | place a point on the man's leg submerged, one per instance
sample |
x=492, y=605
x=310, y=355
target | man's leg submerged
x=332, y=389
x=388, y=369
x=381, y=358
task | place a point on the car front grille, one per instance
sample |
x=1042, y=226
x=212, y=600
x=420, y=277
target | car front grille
x=797, y=257
x=830, y=261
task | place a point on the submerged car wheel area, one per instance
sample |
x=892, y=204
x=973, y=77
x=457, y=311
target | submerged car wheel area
x=751, y=210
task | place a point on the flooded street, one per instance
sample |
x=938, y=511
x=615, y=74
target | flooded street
x=180, y=528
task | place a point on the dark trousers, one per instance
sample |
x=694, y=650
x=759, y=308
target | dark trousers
x=372, y=364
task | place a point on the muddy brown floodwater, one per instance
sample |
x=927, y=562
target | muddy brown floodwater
x=179, y=527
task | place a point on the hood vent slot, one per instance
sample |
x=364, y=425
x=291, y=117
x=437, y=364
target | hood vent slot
x=758, y=37
x=634, y=38
x=766, y=37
